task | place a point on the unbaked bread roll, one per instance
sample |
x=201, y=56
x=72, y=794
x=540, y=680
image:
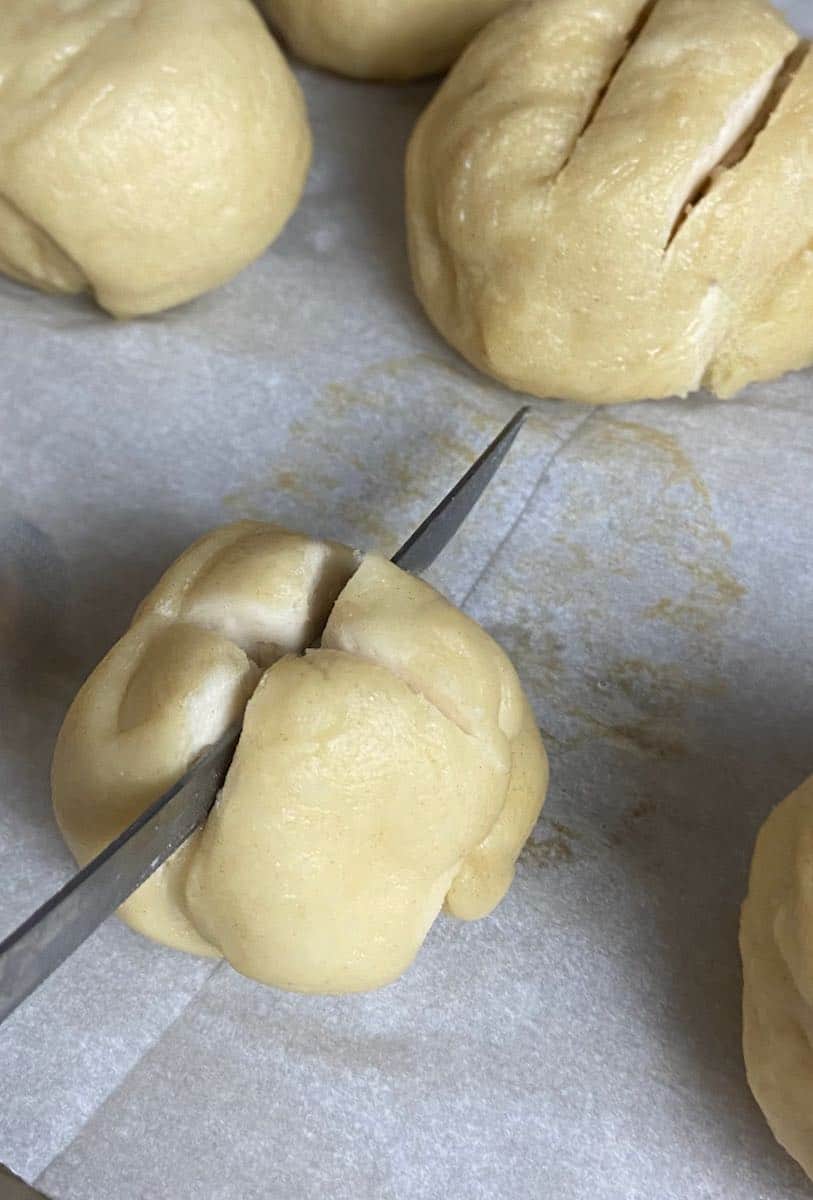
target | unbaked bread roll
x=149, y=149
x=609, y=200
x=380, y=39
x=776, y=942
x=397, y=767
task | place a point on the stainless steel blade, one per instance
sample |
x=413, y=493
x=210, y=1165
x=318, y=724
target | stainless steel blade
x=58, y=927
x=37, y=947
x=432, y=536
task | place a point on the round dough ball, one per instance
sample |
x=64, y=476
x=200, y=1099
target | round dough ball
x=776, y=942
x=611, y=201
x=149, y=149
x=380, y=39
x=395, y=769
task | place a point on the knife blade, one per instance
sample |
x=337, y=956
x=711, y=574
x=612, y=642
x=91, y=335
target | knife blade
x=58, y=927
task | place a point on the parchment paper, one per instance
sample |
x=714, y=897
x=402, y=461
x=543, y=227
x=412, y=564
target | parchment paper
x=649, y=569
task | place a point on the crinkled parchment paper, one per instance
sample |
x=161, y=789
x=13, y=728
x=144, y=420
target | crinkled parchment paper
x=649, y=569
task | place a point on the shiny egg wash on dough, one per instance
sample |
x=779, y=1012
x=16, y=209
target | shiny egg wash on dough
x=612, y=200
x=393, y=771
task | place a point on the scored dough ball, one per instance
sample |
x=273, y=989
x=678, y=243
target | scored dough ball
x=149, y=149
x=395, y=769
x=380, y=39
x=776, y=942
x=610, y=201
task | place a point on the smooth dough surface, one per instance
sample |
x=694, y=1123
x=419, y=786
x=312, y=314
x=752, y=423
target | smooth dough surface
x=396, y=769
x=380, y=39
x=776, y=942
x=149, y=149
x=609, y=200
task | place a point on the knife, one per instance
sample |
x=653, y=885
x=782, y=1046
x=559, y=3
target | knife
x=37, y=947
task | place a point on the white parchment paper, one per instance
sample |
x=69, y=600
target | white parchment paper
x=648, y=568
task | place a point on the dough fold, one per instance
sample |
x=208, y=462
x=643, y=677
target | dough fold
x=609, y=200
x=776, y=943
x=149, y=149
x=396, y=768
x=380, y=39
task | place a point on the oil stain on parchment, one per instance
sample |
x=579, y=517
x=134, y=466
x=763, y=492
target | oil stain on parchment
x=554, y=844
x=631, y=507
x=553, y=849
x=632, y=820
x=615, y=596
x=677, y=521
x=655, y=696
x=363, y=457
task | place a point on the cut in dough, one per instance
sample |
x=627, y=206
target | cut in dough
x=394, y=769
x=380, y=39
x=609, y=200
x=149, y=149
x=776, y=941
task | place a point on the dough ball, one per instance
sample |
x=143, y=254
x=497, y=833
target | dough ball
x=149, y=149
x=380, y=39
x=609, y=200
x=776, y=942
x=395, y=769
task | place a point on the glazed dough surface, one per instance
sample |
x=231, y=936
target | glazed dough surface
x=395, y=769
x=776, y=942
x=609, y=201
x=149, y=149
x=380, y=39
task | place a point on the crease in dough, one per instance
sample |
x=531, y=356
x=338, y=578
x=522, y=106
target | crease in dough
x=149, y=149
x=394, y=769
x=602, y=195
